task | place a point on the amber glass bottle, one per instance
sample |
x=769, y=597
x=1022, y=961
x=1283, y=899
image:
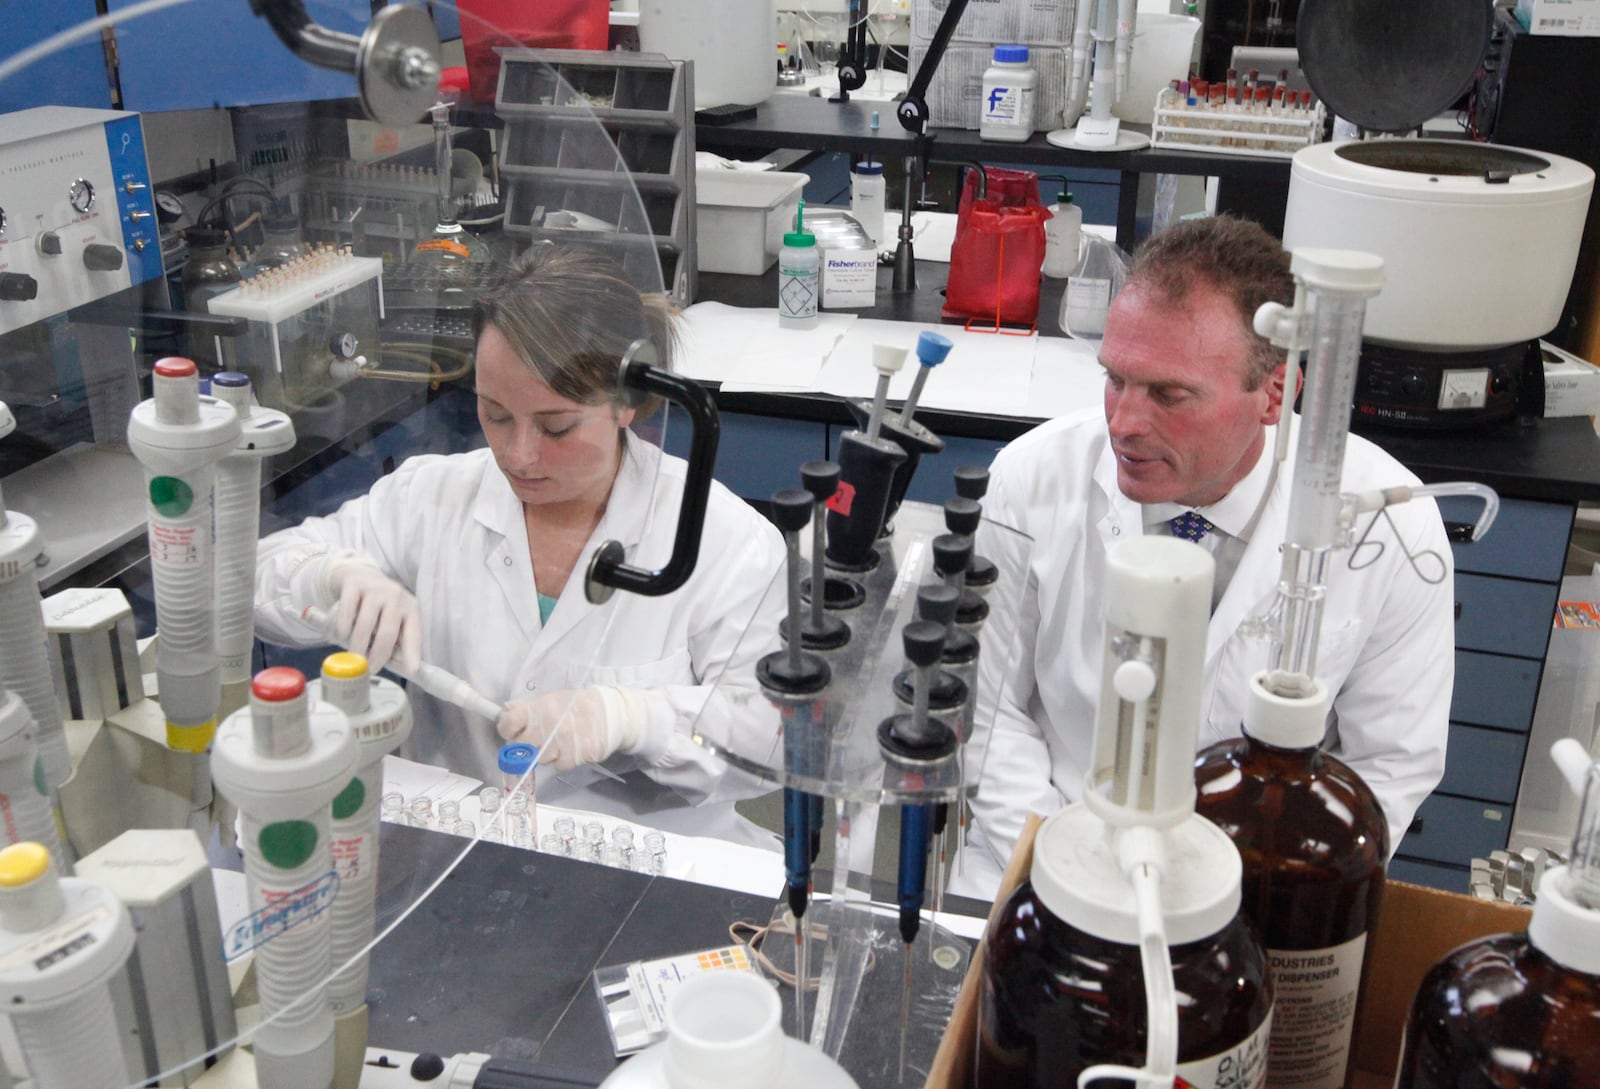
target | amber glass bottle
x=1314, y=844
x=1500, y=1014
x=1057, y=999
x=1522, y=1011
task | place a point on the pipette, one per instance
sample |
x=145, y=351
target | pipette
x=63, y=944
x=791, y=677
x=932, y=348
x=951, y=554
x=264, y=432
x=179, y=436
x=28, y=816
x=380, y=719
x=867, y=464
x=972, y=482
x=24, y=654
x=282, y=761
x=911, y=738
x=824, y=632
x=434, y=680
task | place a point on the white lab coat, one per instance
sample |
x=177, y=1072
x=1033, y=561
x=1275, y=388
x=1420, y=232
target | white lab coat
x=1386, y=648
x=451, y=530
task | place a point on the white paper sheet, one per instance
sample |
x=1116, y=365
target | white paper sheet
x=747, y=349
x=984, y=372
x=1066, y=377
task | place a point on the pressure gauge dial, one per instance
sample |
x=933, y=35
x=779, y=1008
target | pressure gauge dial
x=81, y=196
x=169, y=209
x=344, y=345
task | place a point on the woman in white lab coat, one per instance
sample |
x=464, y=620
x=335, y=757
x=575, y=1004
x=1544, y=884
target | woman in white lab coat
x=475, y=562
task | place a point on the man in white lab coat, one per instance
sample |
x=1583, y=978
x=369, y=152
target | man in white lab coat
x=475, y=563
x=1192, y=403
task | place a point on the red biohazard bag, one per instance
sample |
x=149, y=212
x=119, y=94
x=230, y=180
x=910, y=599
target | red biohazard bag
x=998, y=251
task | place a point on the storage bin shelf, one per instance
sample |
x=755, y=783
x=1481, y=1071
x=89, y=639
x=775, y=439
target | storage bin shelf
x=586, y=131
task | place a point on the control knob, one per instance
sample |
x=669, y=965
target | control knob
x=100, y=257
x=18, y=287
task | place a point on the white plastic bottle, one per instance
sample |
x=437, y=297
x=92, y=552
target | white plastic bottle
x=1010, y=91
x=799, y=276
x=866, y=198
x=1063, y=234
x=723, y=1033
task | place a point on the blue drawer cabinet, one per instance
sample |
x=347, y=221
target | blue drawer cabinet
x=1506, y=588
x=1456, y=830
x=1504, y=616
x=1492, y=690
x=1484, y=764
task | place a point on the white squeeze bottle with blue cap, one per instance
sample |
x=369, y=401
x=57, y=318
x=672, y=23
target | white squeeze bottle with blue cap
x=799, y=276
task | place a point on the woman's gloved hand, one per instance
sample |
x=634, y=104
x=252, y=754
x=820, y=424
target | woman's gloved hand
x=376, y=617
x=580, y=726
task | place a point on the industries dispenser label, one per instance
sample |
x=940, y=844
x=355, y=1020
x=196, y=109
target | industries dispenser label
x=1241, y=1067
x=1315, y=1013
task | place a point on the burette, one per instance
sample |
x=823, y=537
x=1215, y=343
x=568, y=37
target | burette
x=1330, y=302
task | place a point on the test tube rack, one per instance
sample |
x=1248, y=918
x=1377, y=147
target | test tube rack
x=1236, y=128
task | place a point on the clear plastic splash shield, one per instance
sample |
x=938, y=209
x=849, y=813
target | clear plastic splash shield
x=363, y=343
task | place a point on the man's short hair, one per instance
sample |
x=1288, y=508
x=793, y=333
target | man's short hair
x=1231, y=255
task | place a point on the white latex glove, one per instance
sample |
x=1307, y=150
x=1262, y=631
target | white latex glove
x=576, y=727
x=376, y=616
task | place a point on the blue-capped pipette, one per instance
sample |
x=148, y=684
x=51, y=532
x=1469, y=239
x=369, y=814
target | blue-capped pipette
x=932, y=348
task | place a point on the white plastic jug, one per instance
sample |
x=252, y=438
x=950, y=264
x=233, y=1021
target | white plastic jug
x=723, y=1033
x=1163, y=50
x=733, y=44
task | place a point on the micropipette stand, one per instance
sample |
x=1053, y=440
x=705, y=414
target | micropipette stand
x=827, y=745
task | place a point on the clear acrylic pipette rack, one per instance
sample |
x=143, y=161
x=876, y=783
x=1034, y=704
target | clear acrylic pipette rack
x=856, y=955
x=1236, y=129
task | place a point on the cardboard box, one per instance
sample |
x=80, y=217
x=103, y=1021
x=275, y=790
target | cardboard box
x=1571, y=385
x=1568, y=18
x=1416, y=928
x=1002, y=22
x=849, y=278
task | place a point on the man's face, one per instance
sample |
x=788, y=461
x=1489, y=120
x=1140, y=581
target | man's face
x=1184, y=427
